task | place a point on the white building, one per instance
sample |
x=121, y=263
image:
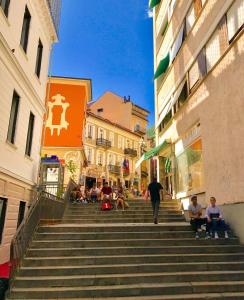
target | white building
x=27, y=31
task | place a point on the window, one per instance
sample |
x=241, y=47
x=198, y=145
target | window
x=213, y=50
x=198, y=69
x=177, y=43
x=89, y=155
x=21, y=212
x=223, y=36
x=119, y=142
x=89, y=131
x=197, y=7
x=3, y=208
x=100, y=158
x=39, y=58
x=111, y=138
x=5, y=6
x=172, y=6
x=101, y=133
x=13, y=118
x=99, y=110
x=30, y=134
x=25, y=29
x=235, y=18
x=190, y=19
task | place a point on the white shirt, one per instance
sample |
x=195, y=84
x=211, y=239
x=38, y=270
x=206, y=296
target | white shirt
x=213, y=210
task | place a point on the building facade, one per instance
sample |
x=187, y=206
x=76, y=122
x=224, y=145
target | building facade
x=27, y=31
x=199, y=59
x=111, y=151
x=128, y=118
x=65, y=121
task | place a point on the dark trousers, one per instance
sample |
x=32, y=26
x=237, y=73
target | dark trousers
x=197, y=223
x=155, y=207
x=216, y=225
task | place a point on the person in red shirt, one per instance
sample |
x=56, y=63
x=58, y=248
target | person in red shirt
x=106, y=192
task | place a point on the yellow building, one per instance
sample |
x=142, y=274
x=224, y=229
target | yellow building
x=111, y=152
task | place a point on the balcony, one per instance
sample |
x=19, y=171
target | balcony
x=103, y=143
x=130, y=152
x=114, y=169
x=139, y=129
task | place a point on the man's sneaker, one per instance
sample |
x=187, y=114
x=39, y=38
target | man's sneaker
x=207, y=236
x=216, y=236
x=226, y=235
x=197, y=236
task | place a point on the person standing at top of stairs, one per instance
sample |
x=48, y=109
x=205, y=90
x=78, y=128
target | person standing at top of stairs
x=155, y=189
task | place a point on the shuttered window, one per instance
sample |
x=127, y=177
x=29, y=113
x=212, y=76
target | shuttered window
x=197, y=7
x=235, y=18
x=223, y=35
x=198, y=70
x=190, y=19
x=177, y=44
x=213, y=50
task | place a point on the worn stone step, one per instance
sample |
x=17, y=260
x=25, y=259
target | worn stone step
x=182, y=226
x=120, y=212
x=114, y=235
x=77, y=260
x=100, y=251
x=125, y=279
x=128, y=290
x=120, y=220
x=130, y=268
x=125, y=242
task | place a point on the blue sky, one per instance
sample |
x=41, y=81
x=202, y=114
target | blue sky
x=109, y=41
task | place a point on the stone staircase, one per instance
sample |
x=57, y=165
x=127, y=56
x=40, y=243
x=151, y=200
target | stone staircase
x=118, y=255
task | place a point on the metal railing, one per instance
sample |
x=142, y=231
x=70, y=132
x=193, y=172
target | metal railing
x=103, y=142
x=139, y=129
x=46, y=207
x=130, y=152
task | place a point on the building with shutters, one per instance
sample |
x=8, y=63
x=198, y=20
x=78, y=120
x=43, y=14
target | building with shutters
x=199, y=73
x=27, y=31
x=114, y=141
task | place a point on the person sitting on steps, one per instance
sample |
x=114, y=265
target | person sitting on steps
x=195, y=214
x=120, y=198
x=215, y=220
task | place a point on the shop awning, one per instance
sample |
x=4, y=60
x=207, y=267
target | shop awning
x=151, y=153
x=153, y=3
x=162, y=67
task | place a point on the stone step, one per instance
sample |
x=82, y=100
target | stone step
x=119, y=220
x=114, y=217
x=182, y=226
x=124, y=242
x=114, y=235
x=146, y=250
x=125, y=279
x=120, y=212
x=128, y=290
x=77, y=260
x=130, y=268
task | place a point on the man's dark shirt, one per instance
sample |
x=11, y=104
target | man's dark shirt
x=154, y=189
x=106, y=190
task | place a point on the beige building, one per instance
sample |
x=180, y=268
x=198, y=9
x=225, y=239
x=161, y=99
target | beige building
x=199, y=73
x=111, y=152
x=121, y=126
x=27, y=31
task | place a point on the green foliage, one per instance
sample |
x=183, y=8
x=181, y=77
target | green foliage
x=72, y=168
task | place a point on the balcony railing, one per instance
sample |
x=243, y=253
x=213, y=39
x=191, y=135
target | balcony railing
x=103, y=143
x=130, y=152
x=139, y=129
x=55, y=11
x=114, y=169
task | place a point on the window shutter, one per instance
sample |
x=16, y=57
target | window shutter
x=177, y=44
x=235, y=18
x=194, y=74
x=202, y=63
x=223, y=36
x=197, y=7
x=213, y=50
x=190, y=19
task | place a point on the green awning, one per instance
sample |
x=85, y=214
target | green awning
x=151, y=153
x=162, y=67
x=154, y=151
x=153, y=3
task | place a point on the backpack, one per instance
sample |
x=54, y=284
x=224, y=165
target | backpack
x=106, y=206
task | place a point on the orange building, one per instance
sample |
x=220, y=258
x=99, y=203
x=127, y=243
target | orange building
x=64, y=122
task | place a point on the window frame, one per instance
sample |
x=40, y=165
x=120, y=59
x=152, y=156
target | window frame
x=11, y=134
x=21, y=213
x=29, y=137
x=25, y=32
x=3, y=217
x=39, y=58
x=4, y=4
